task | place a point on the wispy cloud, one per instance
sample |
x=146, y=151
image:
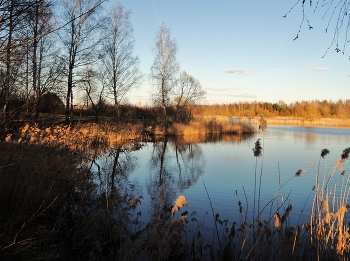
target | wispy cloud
x=228, y=92
x=219, y=89
x=271, y=70
x=318, y=69
x=238, y=71
x=234, y=95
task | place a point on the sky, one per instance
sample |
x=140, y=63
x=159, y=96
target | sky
x=243, y=51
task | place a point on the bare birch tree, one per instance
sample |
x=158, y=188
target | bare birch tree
x=120, y=70
x=164, y=69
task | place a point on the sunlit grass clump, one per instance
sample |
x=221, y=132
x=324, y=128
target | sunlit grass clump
x=211, y=126
x=81, y=137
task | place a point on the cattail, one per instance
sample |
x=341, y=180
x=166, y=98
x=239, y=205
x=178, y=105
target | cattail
x=277, y=220
x=345, y=154
x=257, y=149
x=324, y=153
x=240, y=206
x=286, y=213
x=341, y=212
x=325, y=208
x=298, y=173
x=180, y=201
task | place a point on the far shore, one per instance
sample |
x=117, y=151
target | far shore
x=325, y=122
x=291, y=121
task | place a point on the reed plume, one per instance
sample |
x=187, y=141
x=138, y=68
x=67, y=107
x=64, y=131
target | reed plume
x=324, y=153
x=257, y=149
x=299, y=172
x=179, y=203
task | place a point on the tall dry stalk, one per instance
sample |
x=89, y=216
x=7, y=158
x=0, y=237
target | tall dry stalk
x=329, y=234
x=215, y=217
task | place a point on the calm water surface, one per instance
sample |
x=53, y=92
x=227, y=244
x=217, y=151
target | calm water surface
x=161, y=171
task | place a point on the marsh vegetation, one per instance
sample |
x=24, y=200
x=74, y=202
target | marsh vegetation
x=68, y=205
x=69, y=141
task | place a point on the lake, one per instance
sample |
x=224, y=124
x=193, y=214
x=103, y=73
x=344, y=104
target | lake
x=224, y=167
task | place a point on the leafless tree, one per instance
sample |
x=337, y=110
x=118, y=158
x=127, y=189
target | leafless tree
x=93, y=90
x=40, y=50
x=25, y=50
x=188, y=92
x=80, y=39
x=120, y=70
x=164, y=69
x=13, y=16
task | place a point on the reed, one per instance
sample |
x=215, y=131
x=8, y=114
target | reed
x=79, y=138
x=52, y=208
x=210, y=126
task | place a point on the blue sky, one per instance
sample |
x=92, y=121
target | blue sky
x=243, y=50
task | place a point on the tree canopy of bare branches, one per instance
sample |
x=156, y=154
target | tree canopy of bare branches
x=336, y=14
x=120, y=71
x=188, y=92
x=165, y=67
x=80, y=39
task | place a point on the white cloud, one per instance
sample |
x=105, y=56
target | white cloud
x=238, y=71
x=271, y=70
x=318, y=69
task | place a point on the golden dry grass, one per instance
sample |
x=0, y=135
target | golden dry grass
x=80, y=138
x=210, y=126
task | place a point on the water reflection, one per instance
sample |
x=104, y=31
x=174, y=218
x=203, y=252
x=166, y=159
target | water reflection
x=112, y=169
x=175, y=165
x=310, y=139
x=163, y=169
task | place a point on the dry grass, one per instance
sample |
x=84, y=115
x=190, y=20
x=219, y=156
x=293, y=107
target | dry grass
x=210, y=126
x=52, y=208
x=79, y=138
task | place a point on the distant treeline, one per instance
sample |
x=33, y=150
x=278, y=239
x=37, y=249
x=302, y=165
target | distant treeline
x=309, y=110
x=306, y=109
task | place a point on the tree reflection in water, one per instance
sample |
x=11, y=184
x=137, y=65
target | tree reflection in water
x=175, y=165
x=113, y=169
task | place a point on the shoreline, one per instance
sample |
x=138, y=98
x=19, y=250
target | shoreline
x=286, y=121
